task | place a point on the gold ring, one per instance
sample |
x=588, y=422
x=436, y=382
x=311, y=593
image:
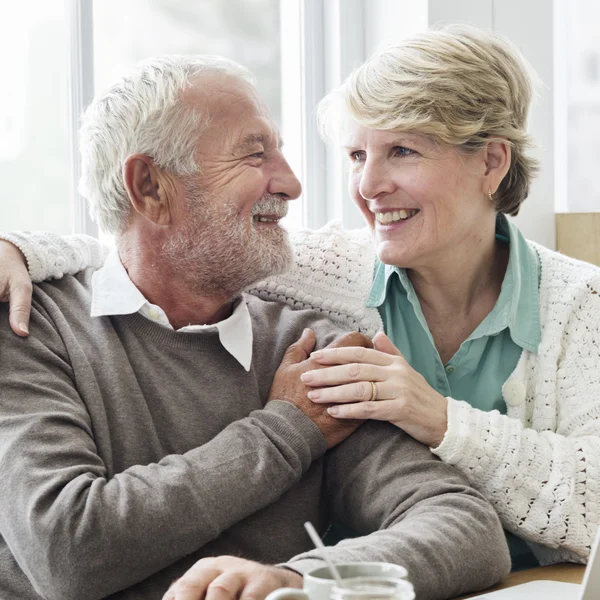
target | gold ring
x=373, y=391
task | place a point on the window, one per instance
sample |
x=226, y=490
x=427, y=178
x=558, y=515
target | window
x=583, y=104
x=34, y=139
x=246, y=31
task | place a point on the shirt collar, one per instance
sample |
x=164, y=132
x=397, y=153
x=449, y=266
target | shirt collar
x=381, y=280
x=519, y=295
x=113, y=293
x=517, y=306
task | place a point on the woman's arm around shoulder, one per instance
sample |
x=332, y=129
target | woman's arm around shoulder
x=46, y=256
x=50, y=256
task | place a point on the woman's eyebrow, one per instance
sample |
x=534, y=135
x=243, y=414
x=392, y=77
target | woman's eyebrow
x=398, y=139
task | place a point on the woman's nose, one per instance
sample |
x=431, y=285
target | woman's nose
x=375, y=180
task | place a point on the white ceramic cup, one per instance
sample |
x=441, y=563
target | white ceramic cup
x=318, y=582
x=373, y=588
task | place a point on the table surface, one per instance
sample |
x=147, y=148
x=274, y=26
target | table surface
x=561, y=572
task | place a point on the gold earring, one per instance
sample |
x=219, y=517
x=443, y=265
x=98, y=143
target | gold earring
x=490, y=194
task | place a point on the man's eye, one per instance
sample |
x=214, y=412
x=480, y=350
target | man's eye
x=258, y=155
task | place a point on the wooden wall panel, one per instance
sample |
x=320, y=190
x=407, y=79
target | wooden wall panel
x=578, y=235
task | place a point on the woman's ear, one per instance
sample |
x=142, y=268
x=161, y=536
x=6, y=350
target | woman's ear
x=146, y=190
x=497, y=162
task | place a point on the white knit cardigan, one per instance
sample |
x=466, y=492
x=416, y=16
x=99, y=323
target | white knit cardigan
x=539, y=465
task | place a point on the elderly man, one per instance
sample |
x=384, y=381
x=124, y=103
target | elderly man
x=154, y=419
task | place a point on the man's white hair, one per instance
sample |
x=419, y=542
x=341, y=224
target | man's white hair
x=143, y=113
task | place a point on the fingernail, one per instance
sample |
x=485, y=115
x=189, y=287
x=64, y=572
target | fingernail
x=314, y=395
x=306, y=331
x=308, y=376
x=316, y=355
x=23, y=327
x=333, y=410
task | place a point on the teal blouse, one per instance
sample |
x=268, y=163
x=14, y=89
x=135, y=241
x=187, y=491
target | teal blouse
x=489, y=355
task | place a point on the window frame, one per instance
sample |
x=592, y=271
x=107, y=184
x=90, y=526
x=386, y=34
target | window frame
x=80, y=15
x=329, y=43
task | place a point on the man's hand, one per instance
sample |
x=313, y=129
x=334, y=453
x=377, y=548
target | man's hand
x=231, y=578
x=288, y=386
x=15, y=287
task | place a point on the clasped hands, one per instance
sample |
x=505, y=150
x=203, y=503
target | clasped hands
x=404, y=397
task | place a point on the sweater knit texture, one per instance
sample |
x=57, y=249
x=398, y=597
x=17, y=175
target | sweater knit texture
x=539, y=465
x=128, y=451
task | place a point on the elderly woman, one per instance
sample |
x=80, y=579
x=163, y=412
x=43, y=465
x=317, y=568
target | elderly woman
x=492, y=352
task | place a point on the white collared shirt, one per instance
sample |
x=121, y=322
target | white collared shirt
x=113, y=293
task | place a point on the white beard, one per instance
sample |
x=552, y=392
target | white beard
x=218, y=254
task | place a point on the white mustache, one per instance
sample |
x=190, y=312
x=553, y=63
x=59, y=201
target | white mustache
x=271, y=205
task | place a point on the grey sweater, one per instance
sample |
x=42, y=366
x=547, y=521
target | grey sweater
x=129, y=451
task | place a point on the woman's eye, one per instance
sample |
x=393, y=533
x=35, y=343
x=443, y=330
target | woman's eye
x=356, y=156
x=258, y=155
x=403, y=151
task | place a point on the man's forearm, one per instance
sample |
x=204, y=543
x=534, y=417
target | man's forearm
x=422, y=512
x=445, y=553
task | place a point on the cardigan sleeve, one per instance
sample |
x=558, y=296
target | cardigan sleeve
x=541, y=470
x=332, y=272
x=50, y=256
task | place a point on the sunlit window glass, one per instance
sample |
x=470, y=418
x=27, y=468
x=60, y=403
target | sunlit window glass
x=584, y=105
x=246, y=31
x=34, y=151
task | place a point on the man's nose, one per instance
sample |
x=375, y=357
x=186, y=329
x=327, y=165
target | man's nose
x=284, y=182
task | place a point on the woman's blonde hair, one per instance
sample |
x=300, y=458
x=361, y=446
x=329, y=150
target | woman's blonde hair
x=461, y=85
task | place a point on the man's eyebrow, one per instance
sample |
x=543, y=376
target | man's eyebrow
x=250, y=140
x=256, y=138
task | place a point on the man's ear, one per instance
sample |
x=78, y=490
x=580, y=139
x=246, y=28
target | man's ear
x=497, y=162
x=145, y=185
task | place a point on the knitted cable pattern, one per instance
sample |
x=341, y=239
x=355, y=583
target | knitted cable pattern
x=332, y=273
x=539, y=464
x=50, y=256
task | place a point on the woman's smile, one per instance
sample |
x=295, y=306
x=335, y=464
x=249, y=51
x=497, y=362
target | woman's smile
x=389, y=220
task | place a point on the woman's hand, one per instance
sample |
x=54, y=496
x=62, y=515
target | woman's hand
x=15, y=287
x=403, y=397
